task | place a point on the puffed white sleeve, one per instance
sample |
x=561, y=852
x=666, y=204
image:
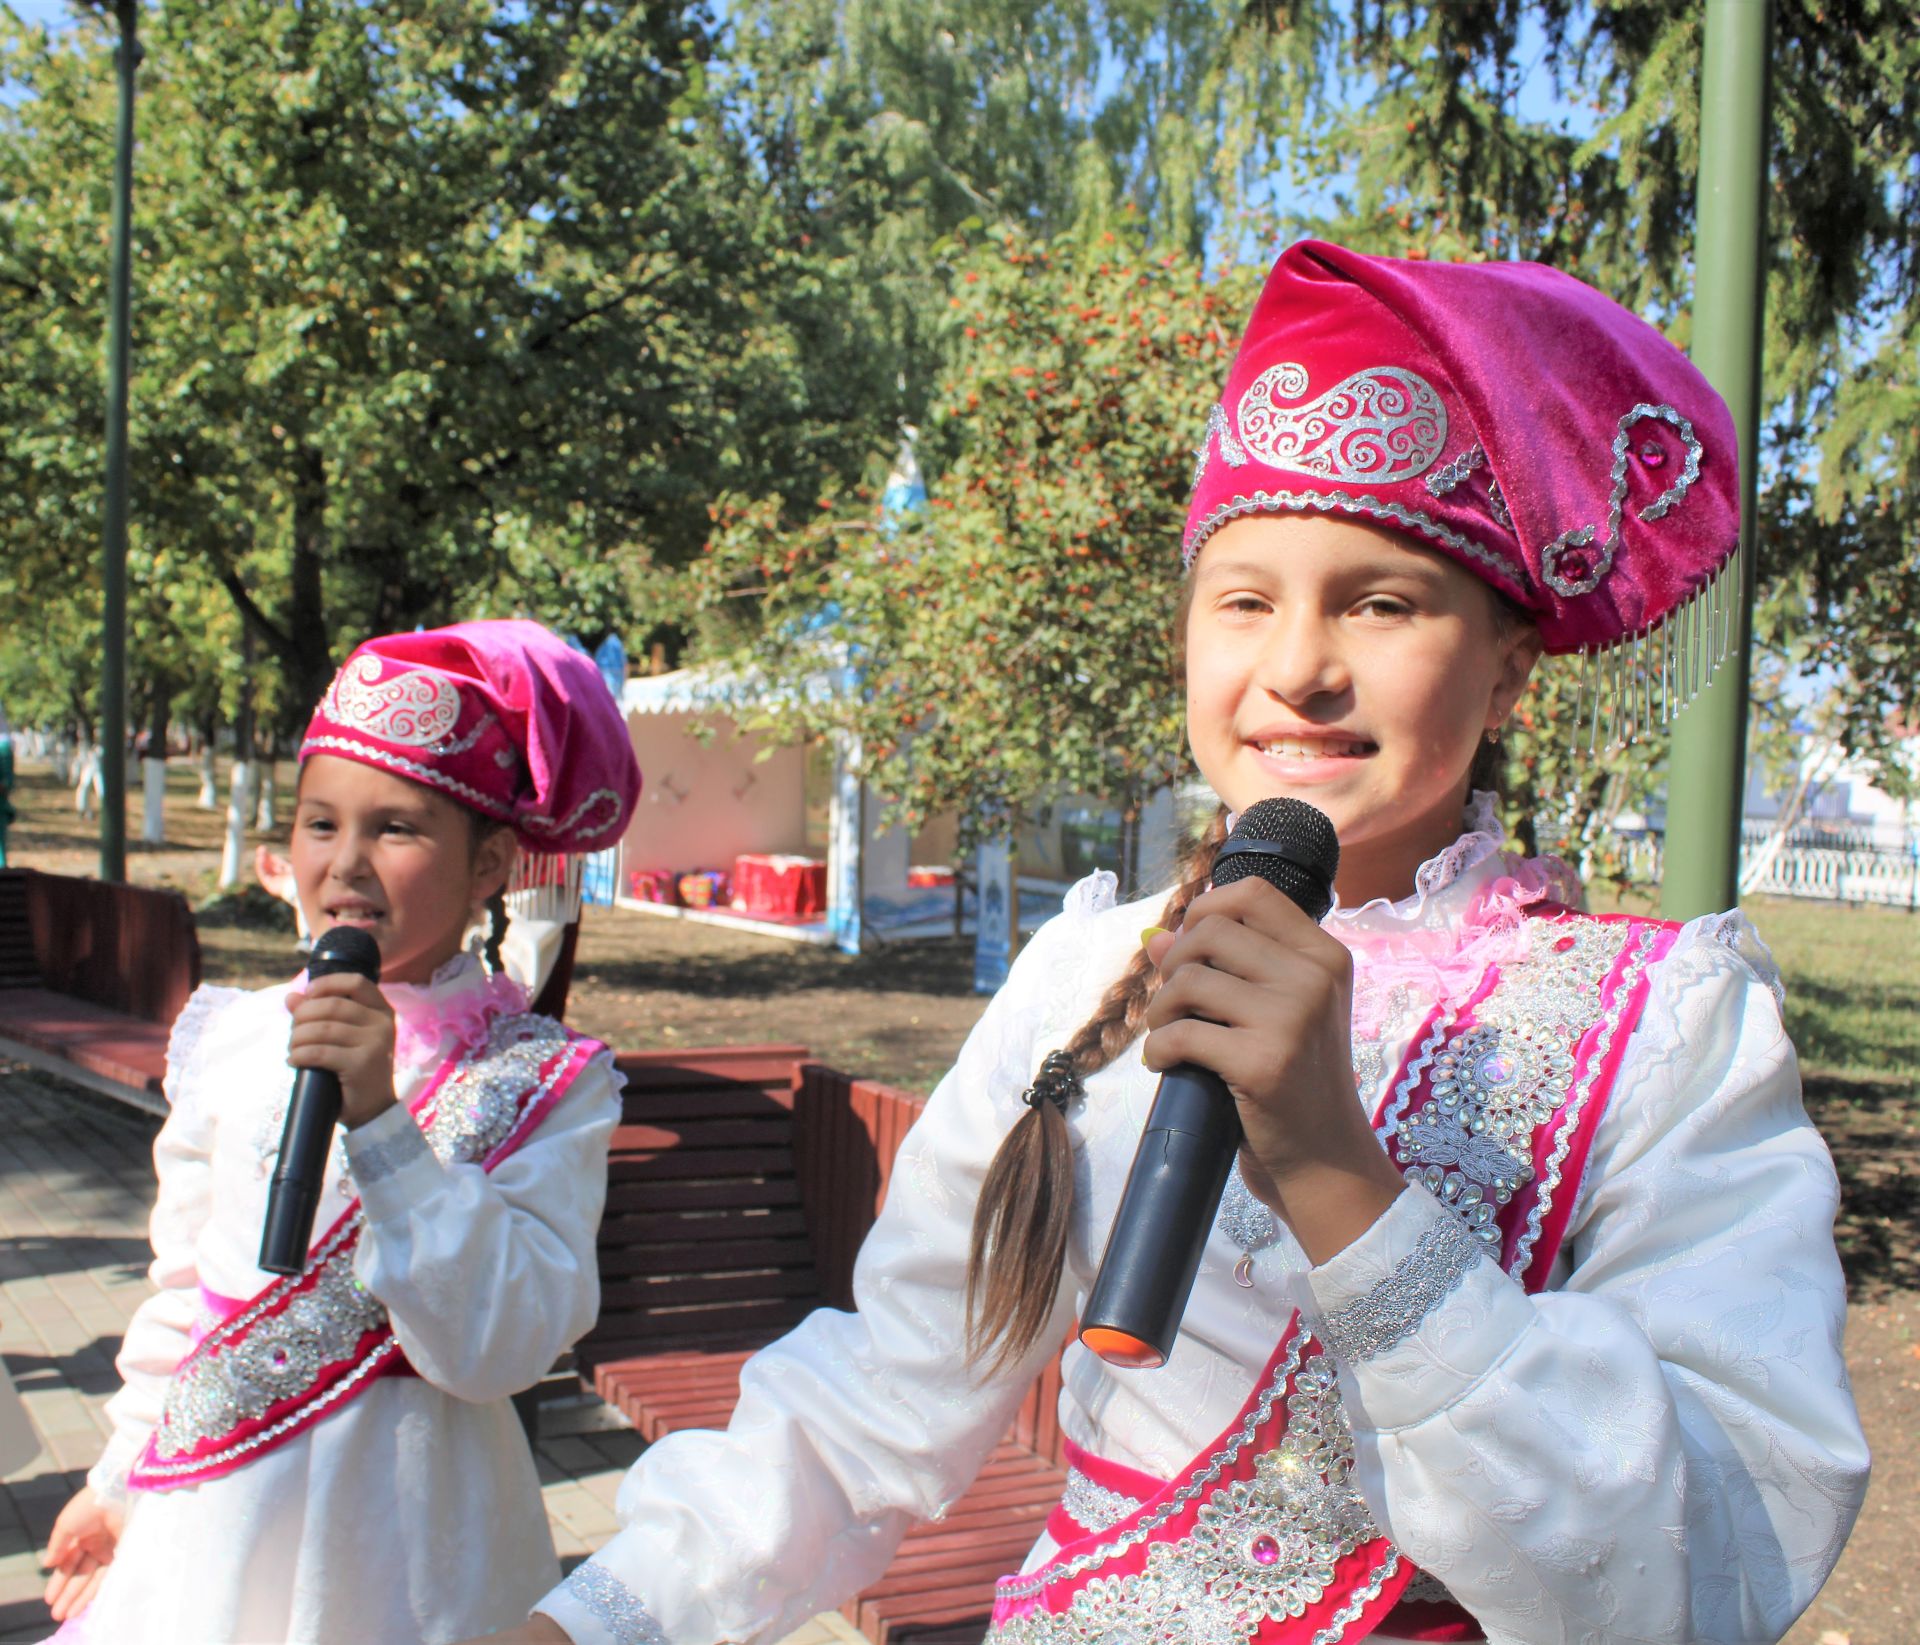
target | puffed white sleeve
x=488, y=1276
x=158, y=1335
x=1664, y=1448
x=854, y=1426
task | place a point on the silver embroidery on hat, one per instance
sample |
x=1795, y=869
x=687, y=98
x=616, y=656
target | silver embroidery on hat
x=1577, y=562
x=1218, y=428
x=414, y=707
x=1445, y=478
x=1379, y=426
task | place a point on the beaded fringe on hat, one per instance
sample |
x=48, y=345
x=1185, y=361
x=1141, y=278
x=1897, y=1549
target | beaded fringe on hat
x=1628, y=689
x=545, y=887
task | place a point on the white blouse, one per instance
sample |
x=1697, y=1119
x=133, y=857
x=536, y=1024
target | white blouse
x=1661, y=1446
x=412, y=1512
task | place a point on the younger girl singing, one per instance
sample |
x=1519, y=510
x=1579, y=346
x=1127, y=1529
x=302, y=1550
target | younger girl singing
x=333, y=1457
x=1521, y=1321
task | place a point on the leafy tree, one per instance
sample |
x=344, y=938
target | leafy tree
x=1015, y=641
x=446, y=309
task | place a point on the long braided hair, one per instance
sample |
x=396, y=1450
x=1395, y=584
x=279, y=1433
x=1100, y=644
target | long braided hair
x=1020, y=1223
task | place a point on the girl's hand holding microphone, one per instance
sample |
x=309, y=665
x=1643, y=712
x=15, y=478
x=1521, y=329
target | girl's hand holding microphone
x=343, y=1023
x=1254, y=990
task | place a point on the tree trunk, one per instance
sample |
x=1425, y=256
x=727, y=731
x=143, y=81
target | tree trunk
x=240, y=788
x=263, y=813
x=209, y=784
x=153, y=769
x=312, y=661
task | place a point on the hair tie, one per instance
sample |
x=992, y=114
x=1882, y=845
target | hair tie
x=1058, y=1082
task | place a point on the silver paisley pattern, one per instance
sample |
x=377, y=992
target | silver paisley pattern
x=476, y=1110
x=1379, y=426
x=1470, y=1143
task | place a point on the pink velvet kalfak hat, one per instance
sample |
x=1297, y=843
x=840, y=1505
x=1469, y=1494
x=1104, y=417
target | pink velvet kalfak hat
x=1553, y=444
x=502, y=716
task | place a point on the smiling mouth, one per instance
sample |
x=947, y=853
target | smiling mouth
x=357, y=912
x=1316, y=748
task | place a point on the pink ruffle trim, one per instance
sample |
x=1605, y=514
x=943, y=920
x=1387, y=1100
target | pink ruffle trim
x=1446, y=962
x=423, y=1015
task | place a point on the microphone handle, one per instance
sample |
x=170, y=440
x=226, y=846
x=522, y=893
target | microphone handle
x=1166, y=1212
x=294, y=1193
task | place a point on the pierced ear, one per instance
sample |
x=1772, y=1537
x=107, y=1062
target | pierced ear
x=494, y=866
x=1524, y=648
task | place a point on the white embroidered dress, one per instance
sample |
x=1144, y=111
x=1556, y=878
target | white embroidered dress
x=413, y=1512
x=1660, y=1447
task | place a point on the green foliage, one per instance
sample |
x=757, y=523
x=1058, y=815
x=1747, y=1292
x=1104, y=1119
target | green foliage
x=1015, y=640
x=453, y=311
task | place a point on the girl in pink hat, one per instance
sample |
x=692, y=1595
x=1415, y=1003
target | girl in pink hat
x=1520, y=1319
x=333, y=1456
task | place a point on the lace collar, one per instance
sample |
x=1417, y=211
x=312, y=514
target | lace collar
x=450, y=1010
x=1443, y=886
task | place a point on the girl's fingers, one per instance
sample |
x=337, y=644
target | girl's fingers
x=1206, y=1044
x=1201, y=992
x=1224, y=945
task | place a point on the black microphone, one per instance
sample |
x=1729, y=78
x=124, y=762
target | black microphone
x=312, y=1113
x=1193, y=1132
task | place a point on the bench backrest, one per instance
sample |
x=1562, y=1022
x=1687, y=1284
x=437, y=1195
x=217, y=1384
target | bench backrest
x=130, y=948
x=742, y=1183
x=704, y=1240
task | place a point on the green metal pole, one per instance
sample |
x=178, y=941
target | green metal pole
x=1706, y=787
x=113, y=653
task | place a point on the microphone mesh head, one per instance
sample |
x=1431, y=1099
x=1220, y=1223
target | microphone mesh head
x=1296, y=852
x=345, y=948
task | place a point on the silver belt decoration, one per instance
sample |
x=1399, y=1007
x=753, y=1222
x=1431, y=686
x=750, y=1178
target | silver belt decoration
x=210, y=1394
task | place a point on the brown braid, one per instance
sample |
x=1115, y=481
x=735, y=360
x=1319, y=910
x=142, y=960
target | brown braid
x=1026, y=1201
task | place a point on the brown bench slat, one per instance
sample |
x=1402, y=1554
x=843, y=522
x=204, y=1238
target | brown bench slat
x=766, y=1131
x=681, y=1290
x=707, y=1163
x=770, y=1193
x=707, y=1256
x=643, y=1227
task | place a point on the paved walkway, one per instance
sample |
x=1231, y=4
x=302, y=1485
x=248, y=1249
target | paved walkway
x=76, y=1184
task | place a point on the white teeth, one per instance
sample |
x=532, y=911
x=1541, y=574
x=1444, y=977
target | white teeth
x=1293, y=748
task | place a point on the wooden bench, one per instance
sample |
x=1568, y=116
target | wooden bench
x=741, y=1184
x=92, y=974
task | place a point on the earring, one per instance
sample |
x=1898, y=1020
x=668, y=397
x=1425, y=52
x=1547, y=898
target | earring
x=1493, y=734
x=477, y=927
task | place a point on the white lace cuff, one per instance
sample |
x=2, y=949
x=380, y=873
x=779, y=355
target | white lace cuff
x=391, y=1164
x=596, y=1608
x=1414, y=1312
x=1396, y=1307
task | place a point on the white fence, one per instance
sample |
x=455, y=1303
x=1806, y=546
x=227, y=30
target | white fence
x=1830, y=873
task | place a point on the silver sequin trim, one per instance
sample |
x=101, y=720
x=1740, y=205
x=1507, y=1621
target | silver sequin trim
x=484, y=803
x=1595, y=563
x=1346, y=502
x=1397, y=1307
x=1470, y=1143
x=476, y=1111
x=615, y=1606
x=1262, y=1549
x=1097, y=1507
x=1219, y=429
x=1556, y=1162
x=1444, y=479
x=380, y=1160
